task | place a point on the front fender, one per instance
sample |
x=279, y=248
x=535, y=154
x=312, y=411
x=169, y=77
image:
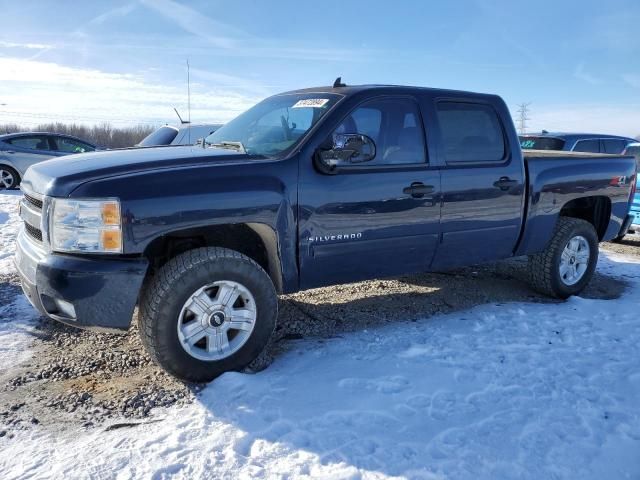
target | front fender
x=158, y=203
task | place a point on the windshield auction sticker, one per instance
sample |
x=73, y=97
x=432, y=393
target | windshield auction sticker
x=311, y=102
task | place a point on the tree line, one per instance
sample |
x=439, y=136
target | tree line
x=103, y=135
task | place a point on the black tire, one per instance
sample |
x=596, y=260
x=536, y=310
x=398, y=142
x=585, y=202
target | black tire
x=13, y=174
x=165, y=293
x=544, y=267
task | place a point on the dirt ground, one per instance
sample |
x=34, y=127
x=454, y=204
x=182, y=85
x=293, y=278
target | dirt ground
x=96, y=380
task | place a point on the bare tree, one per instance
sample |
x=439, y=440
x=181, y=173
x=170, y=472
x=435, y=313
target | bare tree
x=103, y=135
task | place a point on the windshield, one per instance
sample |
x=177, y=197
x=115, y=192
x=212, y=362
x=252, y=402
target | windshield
x=273, y=125
x=541, y=143
x=162, y=136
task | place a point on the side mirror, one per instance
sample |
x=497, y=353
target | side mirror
x=347, y=149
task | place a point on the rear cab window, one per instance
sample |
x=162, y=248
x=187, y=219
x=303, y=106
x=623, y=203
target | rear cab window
x=471, y=132
x=162, y=136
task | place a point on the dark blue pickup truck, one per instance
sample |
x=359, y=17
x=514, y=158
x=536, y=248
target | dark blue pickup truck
x=307, y=188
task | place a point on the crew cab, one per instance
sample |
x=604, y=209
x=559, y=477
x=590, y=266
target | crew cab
x=307, y=188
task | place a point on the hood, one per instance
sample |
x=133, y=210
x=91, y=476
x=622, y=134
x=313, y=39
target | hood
x=60, y=176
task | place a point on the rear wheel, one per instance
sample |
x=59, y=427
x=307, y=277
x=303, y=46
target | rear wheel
x=565, y=267
x=207, y=311
x=9, y=177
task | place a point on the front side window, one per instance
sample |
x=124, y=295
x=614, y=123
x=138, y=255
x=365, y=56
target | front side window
x=394, y=125
x=30, y=143
x=587, y=146
x=471, y=132
x=274, y=125
x=69, y=145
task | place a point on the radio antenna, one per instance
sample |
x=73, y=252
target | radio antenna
x=188, y=103
x=182, y=122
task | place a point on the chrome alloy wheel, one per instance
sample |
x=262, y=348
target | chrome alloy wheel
x=7, y=180
x=217, y=320
x=574, y=260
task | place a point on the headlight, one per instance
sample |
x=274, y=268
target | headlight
x=92, y=226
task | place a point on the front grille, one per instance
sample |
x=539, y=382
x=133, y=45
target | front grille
x=31, y=213
x=33, y=201
x=33, y=232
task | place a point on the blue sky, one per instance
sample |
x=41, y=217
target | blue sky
x=124, y=61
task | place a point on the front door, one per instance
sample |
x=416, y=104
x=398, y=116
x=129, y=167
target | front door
x=380, y=218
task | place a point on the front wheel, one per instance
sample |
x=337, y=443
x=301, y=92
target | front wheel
x=207, y=311
x=566, y=266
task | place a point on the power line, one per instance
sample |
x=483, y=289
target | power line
x=523, y=117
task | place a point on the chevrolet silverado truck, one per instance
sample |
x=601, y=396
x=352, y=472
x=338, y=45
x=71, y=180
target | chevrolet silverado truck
x=306, y=189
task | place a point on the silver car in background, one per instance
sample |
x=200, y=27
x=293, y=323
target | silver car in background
x=18, y=151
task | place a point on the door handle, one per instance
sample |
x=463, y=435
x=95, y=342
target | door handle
x=505, y=183
x=418, y=189
x=10, y=151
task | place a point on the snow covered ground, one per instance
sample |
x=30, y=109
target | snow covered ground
x=520, y=390
x=17, y=316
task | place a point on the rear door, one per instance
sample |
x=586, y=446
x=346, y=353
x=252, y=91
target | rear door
x=482, y=183
x=378, y=218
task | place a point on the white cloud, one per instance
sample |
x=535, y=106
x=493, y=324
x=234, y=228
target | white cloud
x=195, y=22
x=113, y=13
x=30, y=46
x=621, y=119
x=43, y=91
x=581, y=74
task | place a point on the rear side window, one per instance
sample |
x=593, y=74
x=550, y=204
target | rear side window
x=471, y=132
x=30, y=143
x=541, y=143
x=587, y=146
x=69, y=145
x=614, y=146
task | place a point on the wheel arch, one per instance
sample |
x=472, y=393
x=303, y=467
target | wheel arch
x=257, y=241
x=595, y=209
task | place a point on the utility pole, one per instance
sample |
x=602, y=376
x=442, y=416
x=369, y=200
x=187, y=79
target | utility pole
x=523, y=117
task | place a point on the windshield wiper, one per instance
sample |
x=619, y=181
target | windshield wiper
x=238, y=146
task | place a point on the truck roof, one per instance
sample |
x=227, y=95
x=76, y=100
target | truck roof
x=353, y=89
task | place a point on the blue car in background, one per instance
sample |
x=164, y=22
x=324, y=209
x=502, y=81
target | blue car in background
x=634, y=149
x=575, y=142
